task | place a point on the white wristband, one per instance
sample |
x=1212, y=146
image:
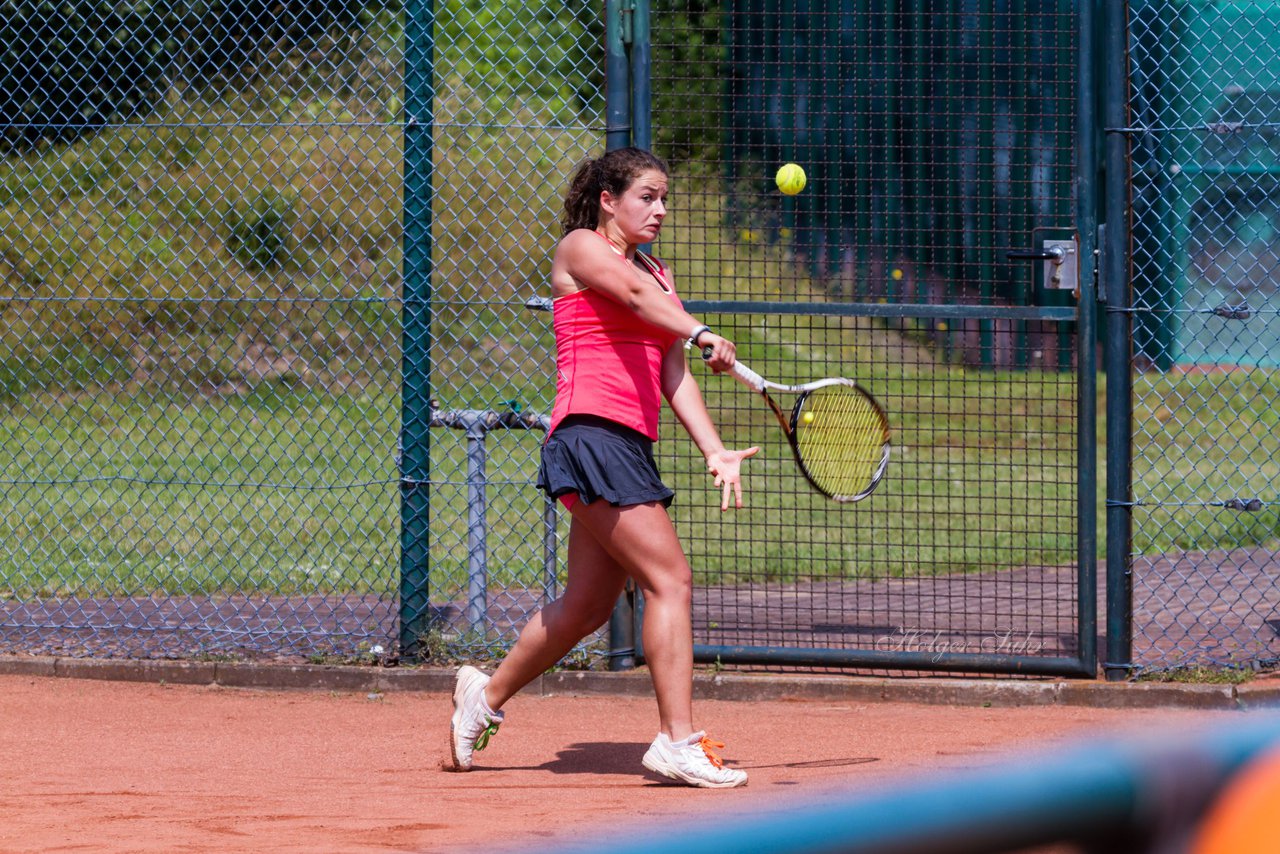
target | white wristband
x=693, y=336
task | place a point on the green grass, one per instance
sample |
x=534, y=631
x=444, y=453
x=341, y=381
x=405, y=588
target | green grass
x=965, y=491
x=1200, y=675
x=1201, y=440
x=291, y=489
x=281, y=492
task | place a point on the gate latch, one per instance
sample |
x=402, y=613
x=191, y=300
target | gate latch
x=1061, y=264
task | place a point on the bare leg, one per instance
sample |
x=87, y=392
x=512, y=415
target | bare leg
x=594, y=581
x=642, y=540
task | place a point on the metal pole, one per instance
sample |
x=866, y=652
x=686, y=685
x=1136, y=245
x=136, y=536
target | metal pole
x=477, y=528
x=415, y=407
x=787, y=656
x=641, y=91
x=1119, y=343
x=1086, y=341
x=618, y=134
x=550, y=578
x=641, y=65
x=477, y=424
x=617, y=83
x=632, y=607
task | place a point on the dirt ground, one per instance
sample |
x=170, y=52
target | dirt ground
x=116, y=766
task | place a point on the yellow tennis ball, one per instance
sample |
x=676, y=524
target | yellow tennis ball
x=807, y=418
x=790, y=178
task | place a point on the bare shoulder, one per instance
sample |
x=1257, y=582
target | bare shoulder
x=583, y=248
x=579, y=243
x=573, y=251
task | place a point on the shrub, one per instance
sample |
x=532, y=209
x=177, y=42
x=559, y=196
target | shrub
x=258, y=230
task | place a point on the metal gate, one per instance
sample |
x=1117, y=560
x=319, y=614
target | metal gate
x=942, y=254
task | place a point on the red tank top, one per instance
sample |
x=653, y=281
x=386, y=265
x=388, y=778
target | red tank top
x=608, y=360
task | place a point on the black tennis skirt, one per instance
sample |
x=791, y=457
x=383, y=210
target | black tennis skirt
x=600, y=459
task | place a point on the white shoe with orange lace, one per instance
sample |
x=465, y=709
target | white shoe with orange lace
x=692, y=762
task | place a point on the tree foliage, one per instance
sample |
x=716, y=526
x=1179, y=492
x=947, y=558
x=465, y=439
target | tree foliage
x=68, y=68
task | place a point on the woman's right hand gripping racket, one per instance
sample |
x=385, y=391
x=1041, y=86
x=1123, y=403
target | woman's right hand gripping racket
x=838, y=433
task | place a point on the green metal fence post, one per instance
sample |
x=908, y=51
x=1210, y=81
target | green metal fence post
x=619, y=32
x=641, y=62
x=415, y=406
x=617, y=78
x=1086, y=339
x=632, y=608
x=1119, y=342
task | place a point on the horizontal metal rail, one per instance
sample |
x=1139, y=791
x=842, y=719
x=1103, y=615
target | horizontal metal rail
x=925, y=660
x=1056, y=313
x=878, y=309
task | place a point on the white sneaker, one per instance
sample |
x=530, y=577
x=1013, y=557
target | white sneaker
x=692, y=762
x=473, y=723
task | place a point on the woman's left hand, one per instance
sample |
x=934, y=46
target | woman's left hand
x=726, y=465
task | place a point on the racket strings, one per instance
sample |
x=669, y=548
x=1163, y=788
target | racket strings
x=840, y=440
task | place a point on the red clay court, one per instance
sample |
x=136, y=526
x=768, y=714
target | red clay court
x=139, y=767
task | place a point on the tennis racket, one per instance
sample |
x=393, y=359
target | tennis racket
x=838, y=433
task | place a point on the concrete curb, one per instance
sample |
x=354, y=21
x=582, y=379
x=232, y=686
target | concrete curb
x=745, y=687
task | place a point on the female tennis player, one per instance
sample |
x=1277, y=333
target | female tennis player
x=620, y=349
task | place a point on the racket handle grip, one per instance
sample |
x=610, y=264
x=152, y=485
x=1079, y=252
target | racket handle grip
x=741, y=373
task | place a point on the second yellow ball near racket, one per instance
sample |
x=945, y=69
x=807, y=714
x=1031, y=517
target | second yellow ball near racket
x=790, y=178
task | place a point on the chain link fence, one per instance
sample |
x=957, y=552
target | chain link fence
x=200, y=252
x=1205, y=115
x=208, y=260
x=204, y=250
x=245, y=248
